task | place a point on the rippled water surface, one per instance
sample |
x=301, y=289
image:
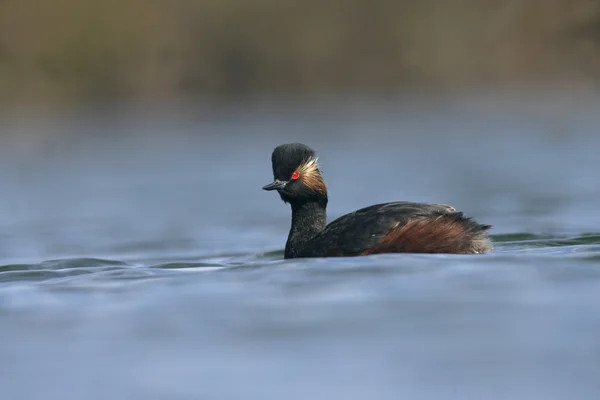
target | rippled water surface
x=139, y=258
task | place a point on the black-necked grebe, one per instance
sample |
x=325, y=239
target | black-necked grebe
x=398, y=227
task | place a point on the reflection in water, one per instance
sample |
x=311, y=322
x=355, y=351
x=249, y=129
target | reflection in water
x=147, y=263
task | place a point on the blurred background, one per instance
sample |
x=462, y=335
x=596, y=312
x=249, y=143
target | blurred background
x=139, y=258
x=69, y=52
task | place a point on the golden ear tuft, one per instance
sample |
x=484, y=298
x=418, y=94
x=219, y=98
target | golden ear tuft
x=311, y=176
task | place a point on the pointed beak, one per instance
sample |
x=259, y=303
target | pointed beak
x=277, y=184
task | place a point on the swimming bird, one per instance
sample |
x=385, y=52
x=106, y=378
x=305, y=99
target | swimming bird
x=396, y=227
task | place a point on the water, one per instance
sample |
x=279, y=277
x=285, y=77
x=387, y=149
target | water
x=139, y=258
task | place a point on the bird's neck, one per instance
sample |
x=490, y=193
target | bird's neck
x=308, y=219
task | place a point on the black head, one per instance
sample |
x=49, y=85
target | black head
x=296, y=174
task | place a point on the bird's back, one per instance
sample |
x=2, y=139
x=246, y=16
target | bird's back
x=400, y=227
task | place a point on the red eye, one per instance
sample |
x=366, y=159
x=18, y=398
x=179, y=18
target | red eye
x=295, y=175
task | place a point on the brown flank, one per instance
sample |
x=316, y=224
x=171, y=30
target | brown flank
x=451, y=234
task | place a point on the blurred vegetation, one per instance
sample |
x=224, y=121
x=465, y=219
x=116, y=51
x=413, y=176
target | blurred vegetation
x=63, y=51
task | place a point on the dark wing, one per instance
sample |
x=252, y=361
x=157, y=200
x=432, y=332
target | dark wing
x=364, y=231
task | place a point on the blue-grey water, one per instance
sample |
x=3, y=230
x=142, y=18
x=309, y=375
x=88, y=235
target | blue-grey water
x=139, y=258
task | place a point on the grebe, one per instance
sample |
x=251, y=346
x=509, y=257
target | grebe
x=397, y=227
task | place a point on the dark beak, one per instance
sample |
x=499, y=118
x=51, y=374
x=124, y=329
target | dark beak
x=277, y=184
